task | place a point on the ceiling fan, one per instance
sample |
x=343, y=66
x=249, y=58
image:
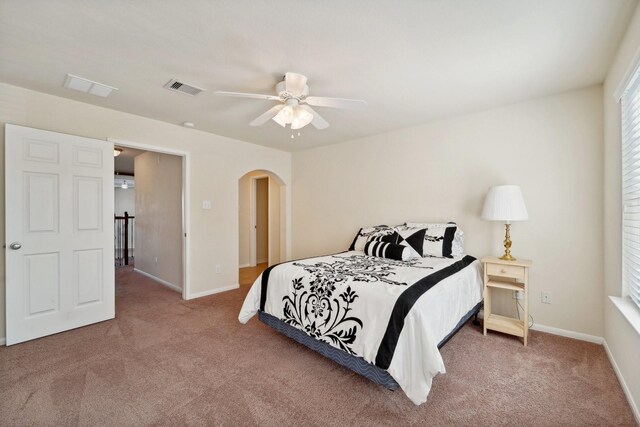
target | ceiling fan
x=294, y=108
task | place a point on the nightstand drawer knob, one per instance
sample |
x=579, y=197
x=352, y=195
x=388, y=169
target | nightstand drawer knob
x=503, y=271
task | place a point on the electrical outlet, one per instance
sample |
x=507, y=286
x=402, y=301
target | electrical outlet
x=519, y=295
x=546, y=297
x=218, y=269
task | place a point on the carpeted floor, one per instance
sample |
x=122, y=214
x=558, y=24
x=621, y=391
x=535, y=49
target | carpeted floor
x=164, y=361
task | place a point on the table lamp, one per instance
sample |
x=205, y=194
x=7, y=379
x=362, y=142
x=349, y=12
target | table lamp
x=505, y=203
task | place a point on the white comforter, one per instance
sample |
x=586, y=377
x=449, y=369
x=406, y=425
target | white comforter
x=365, y=306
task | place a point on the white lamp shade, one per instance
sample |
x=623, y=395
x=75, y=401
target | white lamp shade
x=284, y=116
x=505, y=203
x=301, y=118
x=297, y=117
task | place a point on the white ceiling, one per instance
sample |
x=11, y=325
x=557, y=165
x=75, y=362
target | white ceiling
x=411, y=60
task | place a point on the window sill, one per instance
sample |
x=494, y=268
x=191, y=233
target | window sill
x=629, y=311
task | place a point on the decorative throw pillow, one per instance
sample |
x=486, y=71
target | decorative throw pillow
x=386, y=238
x=412, y=238
x=382, y=232
x=438, y=241
x=441, y=239
x=387, y=250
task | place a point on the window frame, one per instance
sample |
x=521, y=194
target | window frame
x=630, y=186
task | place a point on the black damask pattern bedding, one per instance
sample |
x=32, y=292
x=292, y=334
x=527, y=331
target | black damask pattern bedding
x=386, y=311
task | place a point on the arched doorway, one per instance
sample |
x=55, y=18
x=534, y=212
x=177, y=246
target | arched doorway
x=261, y=220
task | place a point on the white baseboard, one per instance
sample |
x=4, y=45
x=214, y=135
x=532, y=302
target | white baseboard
x=561, y=332
x=244, y=265
x=569, y=334
x=623, y=384
x=159, y=280
x=213, y=291
x=261, y=261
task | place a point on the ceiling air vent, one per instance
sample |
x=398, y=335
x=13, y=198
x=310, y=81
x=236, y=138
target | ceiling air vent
x=88, y=86
x=177, y=86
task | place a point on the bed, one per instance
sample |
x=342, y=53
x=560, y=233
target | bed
x=383, y=318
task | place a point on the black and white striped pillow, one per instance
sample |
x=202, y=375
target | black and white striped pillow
x=387, y=250
x=387, y=238
x=384, y=232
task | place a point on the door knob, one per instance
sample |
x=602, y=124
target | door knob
x=15, y=246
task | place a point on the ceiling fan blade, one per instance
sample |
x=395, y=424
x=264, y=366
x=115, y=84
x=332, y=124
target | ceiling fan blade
x=322, y=101
x=318, y=122
x=294, y=83
x=265, y=117
x=249, y=95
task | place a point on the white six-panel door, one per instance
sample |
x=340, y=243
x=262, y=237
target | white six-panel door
x=59, y=232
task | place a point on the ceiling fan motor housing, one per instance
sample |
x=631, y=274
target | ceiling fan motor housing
x=281, y=89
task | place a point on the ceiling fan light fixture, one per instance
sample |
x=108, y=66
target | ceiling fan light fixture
x=284, y=116
x=292, y=94
x=279, y=120
x=301, y=118
x=287, y=113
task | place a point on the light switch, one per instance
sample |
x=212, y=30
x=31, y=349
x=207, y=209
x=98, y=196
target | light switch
x=206, y=204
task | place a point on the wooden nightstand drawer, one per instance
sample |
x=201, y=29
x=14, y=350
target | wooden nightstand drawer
x=501, y=270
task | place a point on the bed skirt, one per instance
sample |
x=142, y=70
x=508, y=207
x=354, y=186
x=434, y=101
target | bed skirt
x=355, y=363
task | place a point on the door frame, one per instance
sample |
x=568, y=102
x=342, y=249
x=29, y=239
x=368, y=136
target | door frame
x=186, y=197
x=253, y=207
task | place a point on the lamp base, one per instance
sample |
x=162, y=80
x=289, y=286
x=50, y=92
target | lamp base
x=507, y=244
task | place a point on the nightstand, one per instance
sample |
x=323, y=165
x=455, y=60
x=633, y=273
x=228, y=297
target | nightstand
x=511, y=275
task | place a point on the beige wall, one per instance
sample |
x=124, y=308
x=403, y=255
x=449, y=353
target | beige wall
x=551, y=147
x=262, y=220
x=216, y=164
x=125, y=201
x=277, y=216
x=158, y=236
x=622, y=339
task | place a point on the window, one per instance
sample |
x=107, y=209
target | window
x=630, y=103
